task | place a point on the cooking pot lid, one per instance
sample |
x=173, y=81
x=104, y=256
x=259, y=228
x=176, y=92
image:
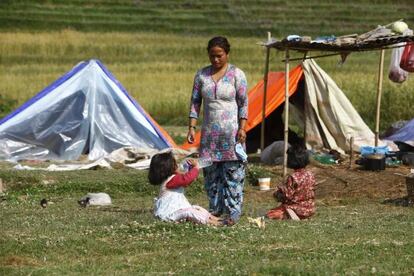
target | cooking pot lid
x=375, y=156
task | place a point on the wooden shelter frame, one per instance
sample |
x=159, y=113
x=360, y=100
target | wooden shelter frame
x=380, y=43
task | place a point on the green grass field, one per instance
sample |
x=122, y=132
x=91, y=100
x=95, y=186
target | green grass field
x=346, y=236
x=247, y=18
x=164, y=65
x=154, y=49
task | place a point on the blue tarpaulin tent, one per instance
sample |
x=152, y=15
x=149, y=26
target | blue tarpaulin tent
x=86, y=111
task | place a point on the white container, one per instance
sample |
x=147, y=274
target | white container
x=264, y=183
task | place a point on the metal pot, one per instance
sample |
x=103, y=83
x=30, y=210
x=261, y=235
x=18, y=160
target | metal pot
x=374, y=162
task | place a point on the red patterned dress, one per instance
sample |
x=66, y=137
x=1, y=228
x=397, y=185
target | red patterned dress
x=298, y=194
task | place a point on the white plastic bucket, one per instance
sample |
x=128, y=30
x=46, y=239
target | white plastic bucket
x=264, y=183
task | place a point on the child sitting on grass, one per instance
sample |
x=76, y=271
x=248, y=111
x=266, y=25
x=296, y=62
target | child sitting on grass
x=297, y=195
x=171, y=204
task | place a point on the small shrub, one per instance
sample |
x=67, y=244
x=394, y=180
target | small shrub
x=254, y=172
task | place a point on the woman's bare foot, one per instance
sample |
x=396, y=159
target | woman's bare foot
x=215, y=223
x=228, y=222
x=213, y=220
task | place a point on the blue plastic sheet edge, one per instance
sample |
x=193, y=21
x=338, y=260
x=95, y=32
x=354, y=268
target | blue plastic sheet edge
x=366, y=150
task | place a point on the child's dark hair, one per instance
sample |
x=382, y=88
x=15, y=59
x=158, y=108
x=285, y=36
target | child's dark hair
x=162, y=166
x=298, y=157
x=219, y=41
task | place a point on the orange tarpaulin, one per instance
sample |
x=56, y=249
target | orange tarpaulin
x=274, y=98
x=164, y=133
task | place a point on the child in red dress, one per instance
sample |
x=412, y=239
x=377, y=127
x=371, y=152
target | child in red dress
x=297, y=195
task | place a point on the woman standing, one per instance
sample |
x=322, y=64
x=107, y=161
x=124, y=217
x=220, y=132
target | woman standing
x=222, y=88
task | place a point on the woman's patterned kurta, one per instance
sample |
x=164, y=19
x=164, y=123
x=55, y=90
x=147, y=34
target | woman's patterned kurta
x=299, y=195
x=224, y=104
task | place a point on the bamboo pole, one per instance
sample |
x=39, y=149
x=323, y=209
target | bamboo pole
x=351, y=151
x=379, y=92
x=286, y=113
x=265, y=78
x=313, y=57
x=305, y=109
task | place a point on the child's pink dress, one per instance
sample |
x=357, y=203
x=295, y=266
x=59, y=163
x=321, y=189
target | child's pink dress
x=299, y=196
x=172, y=205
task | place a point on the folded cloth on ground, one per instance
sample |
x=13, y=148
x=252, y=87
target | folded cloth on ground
x=97, y=199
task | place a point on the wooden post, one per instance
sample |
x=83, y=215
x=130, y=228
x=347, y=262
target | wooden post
x=379, y=92
x=305, y=109
x=351, y=151
x=266, y=72
x=286, y=113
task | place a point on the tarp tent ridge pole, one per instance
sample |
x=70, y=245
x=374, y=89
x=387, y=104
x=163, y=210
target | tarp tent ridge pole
x=286, y=124
x=339, y=53
x=312, y=57
x=379, y=92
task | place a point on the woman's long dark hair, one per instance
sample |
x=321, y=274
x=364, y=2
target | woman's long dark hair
x=162, y=166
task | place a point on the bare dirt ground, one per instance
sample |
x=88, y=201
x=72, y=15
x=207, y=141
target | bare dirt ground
x=338, y=182
x=341, y=181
